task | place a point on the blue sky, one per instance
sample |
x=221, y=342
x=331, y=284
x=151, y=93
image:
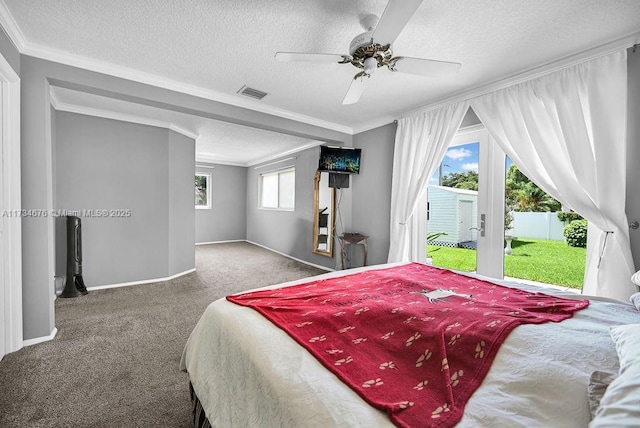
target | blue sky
x=460, y=159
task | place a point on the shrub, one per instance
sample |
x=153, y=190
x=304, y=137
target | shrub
x=575, y=233
x=568, y=216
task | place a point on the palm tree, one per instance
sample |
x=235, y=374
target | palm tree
x=530, y=197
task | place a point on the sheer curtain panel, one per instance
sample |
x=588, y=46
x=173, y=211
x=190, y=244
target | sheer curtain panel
x=567, y=132
x=421, y=142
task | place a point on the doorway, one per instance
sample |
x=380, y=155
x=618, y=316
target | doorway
x=473, y=164
x=466, y=221
x=10, y=223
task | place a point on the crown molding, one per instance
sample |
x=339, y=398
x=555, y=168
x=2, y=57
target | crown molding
x=218, y=161
x=25, y=47
x=11, y=28
x=309, y=145
x=530, y=74
x=16, y=35
x=203, y=157
x=471, y=129
x=108, y=114
x=36, y=51
x=386, y=120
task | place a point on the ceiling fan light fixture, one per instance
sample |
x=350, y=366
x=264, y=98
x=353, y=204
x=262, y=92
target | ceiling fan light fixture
x=372, y=49
x=370, y=65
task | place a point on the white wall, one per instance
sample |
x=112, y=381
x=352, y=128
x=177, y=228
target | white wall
x=444, y=214
x=532, y=225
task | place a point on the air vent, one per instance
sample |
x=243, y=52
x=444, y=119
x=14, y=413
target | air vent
x=251, y=92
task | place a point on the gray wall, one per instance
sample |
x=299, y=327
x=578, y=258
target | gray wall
x=108, y=164
x=227, y=218
x=37, y=188
x=37, y=164
x=181, y=165
x=372, y=190
x=9, y=51
x=364, y=206
x=633, y=151
x=470, y=119
x=291, y=232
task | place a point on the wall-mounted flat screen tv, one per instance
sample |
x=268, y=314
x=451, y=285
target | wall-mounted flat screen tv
x=339, y=159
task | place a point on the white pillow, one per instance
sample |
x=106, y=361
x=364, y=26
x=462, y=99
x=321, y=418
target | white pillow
x=619, y=406
x=635, y=299
x=627, y=341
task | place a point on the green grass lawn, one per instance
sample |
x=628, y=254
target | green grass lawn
x=551, y=262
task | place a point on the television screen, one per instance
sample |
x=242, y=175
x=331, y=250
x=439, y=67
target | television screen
x=339, y=159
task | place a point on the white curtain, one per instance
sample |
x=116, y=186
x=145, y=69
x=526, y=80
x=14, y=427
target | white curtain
x=421, y=142
x=567, y=132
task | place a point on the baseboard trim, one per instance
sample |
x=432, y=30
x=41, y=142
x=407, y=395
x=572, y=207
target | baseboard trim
x=146, y=281
x=221, y=242
x=37, y=340
x=292, y=258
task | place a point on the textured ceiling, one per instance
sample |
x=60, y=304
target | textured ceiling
x=224, y=44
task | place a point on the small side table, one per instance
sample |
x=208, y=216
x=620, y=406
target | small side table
x=352, y=239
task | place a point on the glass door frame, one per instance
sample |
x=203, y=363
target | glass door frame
x=491, y=194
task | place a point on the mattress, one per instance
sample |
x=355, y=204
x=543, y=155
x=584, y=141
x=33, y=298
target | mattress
x=247, y=372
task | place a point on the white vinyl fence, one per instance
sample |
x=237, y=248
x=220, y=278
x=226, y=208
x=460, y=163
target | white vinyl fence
x=537, y=226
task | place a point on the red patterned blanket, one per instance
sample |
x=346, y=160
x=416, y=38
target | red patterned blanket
x=413, y=340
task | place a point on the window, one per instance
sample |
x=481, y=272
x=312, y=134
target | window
x=278, y=189
x=203, y=191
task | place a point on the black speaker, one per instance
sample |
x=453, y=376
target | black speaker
x=74, y=284
x=338, y=181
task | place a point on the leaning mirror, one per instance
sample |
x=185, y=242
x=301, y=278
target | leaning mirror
x=324, y=199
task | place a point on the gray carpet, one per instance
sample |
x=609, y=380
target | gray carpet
x=115, y=359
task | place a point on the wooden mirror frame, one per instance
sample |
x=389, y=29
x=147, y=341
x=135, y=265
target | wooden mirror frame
x=317, y=236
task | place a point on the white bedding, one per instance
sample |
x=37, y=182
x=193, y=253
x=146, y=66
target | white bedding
x=248, y=372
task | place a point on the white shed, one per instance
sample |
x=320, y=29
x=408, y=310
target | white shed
x=455, y=212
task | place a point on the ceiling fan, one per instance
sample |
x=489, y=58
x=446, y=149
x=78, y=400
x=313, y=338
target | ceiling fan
x=372, y=49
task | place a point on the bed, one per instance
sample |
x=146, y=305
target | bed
x=246, y=371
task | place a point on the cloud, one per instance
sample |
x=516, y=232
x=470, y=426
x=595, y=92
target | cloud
x=471, y=166
x=457, y=154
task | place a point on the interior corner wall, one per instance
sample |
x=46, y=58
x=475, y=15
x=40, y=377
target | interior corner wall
x=291, y=232
x=37, y=232
x=372, y=190
x=132, y=186
x=633, y=150
x=226, y=220
x=182, y=220
x=9, y=51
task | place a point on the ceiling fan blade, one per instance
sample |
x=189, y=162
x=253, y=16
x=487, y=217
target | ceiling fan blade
x=394, y=19
x=309, y=57
x=355, y=90
x=426, y=67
